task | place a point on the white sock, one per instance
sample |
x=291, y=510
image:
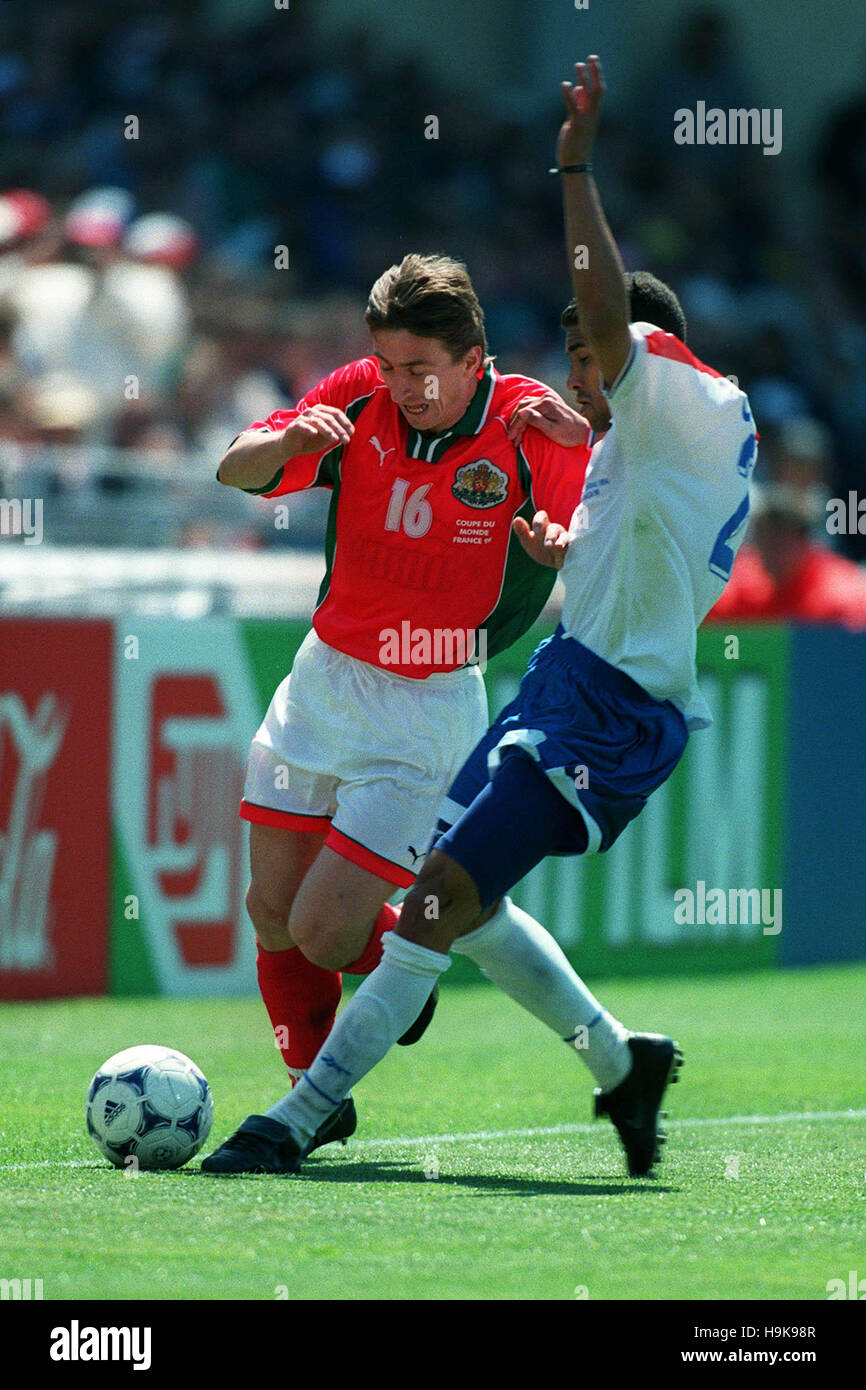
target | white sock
x=518, y=955
x=379, y=1012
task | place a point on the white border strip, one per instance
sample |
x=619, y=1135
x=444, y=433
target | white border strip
x=545, y=1131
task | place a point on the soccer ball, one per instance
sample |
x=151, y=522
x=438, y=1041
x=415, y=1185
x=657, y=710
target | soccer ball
x=149, y=1107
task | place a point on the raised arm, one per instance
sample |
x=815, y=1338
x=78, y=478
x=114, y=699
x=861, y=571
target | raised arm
x=597, y=273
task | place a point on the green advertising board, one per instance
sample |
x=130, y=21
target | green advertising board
x=189, y=701
x=718, y=821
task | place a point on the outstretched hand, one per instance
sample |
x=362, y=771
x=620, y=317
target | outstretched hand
x=583, y=105
x=546, y=541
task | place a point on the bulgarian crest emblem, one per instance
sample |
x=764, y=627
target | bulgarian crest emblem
x=480, y=484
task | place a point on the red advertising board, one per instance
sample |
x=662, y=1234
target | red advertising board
x=55, y=731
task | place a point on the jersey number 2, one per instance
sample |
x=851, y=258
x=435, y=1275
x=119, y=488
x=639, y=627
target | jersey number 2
x=722, y=557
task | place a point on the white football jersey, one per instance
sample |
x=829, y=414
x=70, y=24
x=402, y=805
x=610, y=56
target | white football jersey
x=661, y=517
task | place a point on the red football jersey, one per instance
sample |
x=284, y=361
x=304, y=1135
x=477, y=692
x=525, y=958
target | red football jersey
x=419, y=539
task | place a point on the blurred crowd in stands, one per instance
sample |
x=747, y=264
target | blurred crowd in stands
x=154, y=165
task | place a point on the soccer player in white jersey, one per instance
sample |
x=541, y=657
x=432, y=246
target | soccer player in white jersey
x=607, y=704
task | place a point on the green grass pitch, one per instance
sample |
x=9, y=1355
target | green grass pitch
x=475, y=1173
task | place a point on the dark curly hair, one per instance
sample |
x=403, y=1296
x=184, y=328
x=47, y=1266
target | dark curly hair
x=650, y=300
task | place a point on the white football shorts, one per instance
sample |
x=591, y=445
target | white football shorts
x=363, y=755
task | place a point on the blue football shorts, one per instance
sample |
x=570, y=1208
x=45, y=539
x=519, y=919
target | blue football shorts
x=565, y=767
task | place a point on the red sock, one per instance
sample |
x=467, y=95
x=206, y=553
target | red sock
x=301, y=1000
x=372, y=952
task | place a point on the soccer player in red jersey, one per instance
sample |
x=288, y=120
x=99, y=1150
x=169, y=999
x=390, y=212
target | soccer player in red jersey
x=425, y=576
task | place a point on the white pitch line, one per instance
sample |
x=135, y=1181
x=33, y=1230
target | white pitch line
x=700, y=1122
x=483, y=1136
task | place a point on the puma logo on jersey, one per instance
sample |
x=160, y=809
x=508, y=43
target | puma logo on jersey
x=381, y=452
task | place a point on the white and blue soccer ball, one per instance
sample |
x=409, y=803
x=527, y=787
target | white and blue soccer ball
x=149, y=1107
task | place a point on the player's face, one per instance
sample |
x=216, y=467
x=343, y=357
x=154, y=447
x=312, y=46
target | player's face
x=584, y=379
x=430, y=390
